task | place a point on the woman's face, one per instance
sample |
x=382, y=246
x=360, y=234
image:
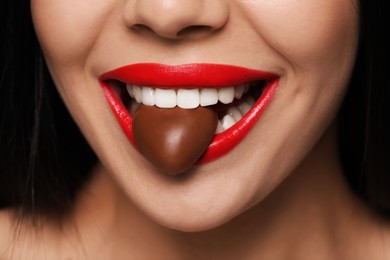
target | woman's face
x=308, y=45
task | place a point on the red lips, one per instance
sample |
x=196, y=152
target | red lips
x=190, y=76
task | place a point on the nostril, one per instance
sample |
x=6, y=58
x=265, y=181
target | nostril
x=142, y=27
x=176, y=19
x=194, y=29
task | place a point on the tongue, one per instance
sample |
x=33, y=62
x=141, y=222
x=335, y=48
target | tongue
x=173, y=139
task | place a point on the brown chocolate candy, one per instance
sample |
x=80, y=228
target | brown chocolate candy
x=173, y=139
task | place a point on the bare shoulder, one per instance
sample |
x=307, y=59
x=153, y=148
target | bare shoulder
x=24, y=239
x=371, y=240
x=382, y=238
x=18, y=239
x=379, y=240
x=7, y=228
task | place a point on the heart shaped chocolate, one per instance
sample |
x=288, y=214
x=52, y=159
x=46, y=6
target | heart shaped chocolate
x=173, y=139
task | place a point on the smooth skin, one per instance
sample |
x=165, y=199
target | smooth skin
x=279, y=195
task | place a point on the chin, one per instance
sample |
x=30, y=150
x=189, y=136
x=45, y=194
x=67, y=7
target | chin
x=194, y=205
x=193, y=220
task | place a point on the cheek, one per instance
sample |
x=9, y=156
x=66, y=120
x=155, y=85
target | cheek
x=67, y=30
x=307, y=32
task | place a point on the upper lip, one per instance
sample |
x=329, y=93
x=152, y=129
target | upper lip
x=196, y=75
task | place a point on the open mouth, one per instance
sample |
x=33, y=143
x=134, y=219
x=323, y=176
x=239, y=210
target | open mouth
x=230, y=103
x=238, y=96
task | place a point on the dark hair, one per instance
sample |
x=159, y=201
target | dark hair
x=44, y=160
x=364, y=132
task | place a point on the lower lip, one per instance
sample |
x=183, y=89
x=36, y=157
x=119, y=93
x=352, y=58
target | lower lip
x=222, y=143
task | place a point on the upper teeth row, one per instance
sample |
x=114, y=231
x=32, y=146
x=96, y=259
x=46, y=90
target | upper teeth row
x=185, y=98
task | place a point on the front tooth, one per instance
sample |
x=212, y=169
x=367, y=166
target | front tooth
x=165, y=98
x=188, y=98
x=238, y=91
x=137, y=94
x=129, y=88
x=228, y=121
x=208, y=96
x=226, y=95
x=148, y=96
x=235, y=113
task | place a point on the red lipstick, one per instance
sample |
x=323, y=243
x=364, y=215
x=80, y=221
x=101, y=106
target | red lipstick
x=186, y=76
x=189, y=76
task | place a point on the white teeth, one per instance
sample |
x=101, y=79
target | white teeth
x=192, y=98
x=137, y=94
x=130, y=90
x=220, y=128
x=208, y=96
x=226, y=95
x=148, y=96
x=235, y=113
x=228, y=121
x=185, y=98
x=188, y=98
x=244, y=107
x=238, y=91
x=165, y=98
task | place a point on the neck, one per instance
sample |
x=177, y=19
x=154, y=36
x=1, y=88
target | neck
x=310, y=211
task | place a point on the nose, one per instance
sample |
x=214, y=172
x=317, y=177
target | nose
x=175, y=19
